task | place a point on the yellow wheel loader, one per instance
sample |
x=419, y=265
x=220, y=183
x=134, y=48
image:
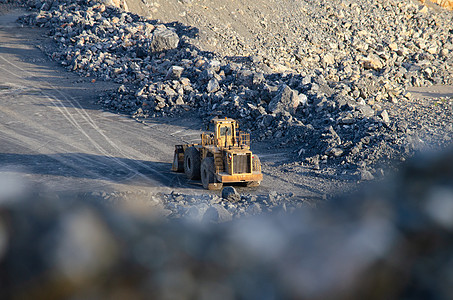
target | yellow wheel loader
x=223, y=156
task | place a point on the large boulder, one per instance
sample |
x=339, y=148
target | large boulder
x=229, y=193
x=286, y=99
x=163, y=39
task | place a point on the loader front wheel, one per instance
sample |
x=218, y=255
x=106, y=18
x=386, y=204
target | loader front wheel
x=208, y=175
x=192, y=163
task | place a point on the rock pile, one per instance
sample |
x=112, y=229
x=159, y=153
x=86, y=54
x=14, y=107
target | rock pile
x=203, y=208
x=338, y=106
x=212, y=208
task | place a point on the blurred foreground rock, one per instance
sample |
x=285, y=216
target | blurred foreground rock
x=392, y=241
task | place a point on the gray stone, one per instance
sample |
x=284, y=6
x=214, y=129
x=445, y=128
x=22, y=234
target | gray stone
x=122, y=89
x=285, y=100
x=257, y=79
x=385, y=116
x=231, y=67
x=366, y=175
x=214, y=65
x=174, y=72
x=346, y=121
x=365, y=110
x=163, y=39
x=215, y=199
x=244, y=77
x=355, y=150
x=254, y=209
x=372, y=62
x=337, y=152
x=229, y=193
x=196, y=212
x=328, y=59
x=206, y=75
x=179, y=101
x=213, y=86
x=306, y=80
x=217, y=214
x=303, y=99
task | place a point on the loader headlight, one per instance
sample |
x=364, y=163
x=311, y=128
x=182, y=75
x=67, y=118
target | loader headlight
x=229, y=156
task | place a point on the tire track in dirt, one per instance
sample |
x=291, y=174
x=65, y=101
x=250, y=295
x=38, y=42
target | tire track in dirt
x=35, y=136
x=81, y=113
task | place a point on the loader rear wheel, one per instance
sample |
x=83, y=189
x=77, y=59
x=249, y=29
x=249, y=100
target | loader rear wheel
x=192, y=163
x=208, y=175
x=256, y=163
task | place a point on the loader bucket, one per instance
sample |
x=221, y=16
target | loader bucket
x=178, y=159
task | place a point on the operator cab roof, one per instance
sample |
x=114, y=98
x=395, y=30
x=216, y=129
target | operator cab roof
x=222, y=120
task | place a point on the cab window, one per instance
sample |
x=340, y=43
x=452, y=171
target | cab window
x=226, y=130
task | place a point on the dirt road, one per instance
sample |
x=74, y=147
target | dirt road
x=53, y=133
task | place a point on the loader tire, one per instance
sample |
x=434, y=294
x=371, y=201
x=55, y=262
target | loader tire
x=192, y=163
x=256, y=163
x=208, y=174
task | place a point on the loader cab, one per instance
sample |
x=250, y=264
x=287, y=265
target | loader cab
x=225, y=132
